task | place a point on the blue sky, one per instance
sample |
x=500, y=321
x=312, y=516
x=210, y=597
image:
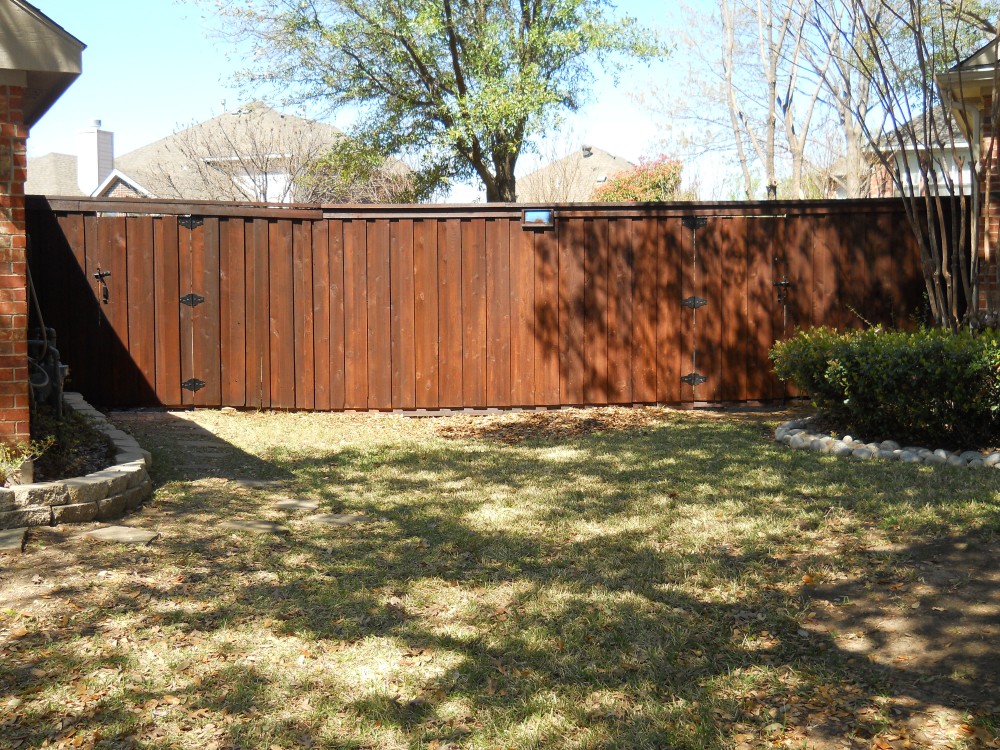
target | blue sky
x=152, y=67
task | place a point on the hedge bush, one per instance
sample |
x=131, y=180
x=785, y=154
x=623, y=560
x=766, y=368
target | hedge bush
x=930, y=386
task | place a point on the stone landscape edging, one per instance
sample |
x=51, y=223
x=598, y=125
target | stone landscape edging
x=98, y=496
x=795, y=434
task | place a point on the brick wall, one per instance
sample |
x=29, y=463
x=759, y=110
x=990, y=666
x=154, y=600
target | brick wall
x=13, y=269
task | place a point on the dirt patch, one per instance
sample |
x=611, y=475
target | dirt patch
x=511, y=428
x=78, y=448
x=927, y=616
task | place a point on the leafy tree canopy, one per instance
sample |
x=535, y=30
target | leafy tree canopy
x=464, y=84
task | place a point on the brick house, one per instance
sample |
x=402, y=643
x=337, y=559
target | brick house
x=969, y=89
x=38, y=62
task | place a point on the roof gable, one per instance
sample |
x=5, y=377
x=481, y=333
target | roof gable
x=38, y=54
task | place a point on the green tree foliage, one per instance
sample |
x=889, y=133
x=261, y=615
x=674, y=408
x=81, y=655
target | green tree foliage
x=464, y=84
x=657, y=179
x=348, y=173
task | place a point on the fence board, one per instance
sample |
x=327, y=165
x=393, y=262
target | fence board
x=522, y=320
x=320, y=294
x=232, y=310
x=441, y=307
x=669, y=270
x=498, y=384
x=355, y=315
x=572, y=301
x=450, y=360
x=546, y=319
x=141, y=307
x=401, y=289
x=281, y=322
x=474, y=355
x=595, y=313
x=620, y=312
x=303, y=312
x=338, y=332
x=425, y=313
x=732, y=302
x=644, y=311
x=379, y=335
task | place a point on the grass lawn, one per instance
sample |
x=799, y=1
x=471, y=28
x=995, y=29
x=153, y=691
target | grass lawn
x=604, y=579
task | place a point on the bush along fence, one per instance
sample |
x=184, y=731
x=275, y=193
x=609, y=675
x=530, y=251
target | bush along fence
x=442, y=307
x=923, y=386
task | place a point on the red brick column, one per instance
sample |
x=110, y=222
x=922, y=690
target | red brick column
x=14, y=413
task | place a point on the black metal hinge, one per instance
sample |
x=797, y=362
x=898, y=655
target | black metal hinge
x=193, y=384
x=190, y=222
x=694, y=302
x=192, y=300
x=694, y=378
x=694, y=222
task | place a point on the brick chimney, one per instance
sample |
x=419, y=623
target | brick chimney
x=95, y=157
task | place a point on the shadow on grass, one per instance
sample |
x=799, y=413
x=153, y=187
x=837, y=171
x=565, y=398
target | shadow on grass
x=632, y=637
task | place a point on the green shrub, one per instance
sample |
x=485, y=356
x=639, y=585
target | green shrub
x=930, y=386
x=657, y=179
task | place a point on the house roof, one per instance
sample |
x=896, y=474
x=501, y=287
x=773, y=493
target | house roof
x=37, y=54
x=572, y=178
x=253, y=131
x=164, y=168
x=919, y=132
x=52, y=174
x=983, y=58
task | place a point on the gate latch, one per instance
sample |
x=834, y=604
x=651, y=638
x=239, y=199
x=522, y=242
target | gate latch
x=694, y=302
x=193, y=384
x=782, y=287
x=694, y=378
x=101, y=277
x=192, y=300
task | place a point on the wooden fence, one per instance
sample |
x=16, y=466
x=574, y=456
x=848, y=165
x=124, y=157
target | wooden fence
x=431, y=307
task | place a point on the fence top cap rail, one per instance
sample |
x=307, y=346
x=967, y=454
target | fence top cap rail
x=719, y=209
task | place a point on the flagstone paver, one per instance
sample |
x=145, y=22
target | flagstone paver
x=292, y=503
x=123, y=535
x=12, y=540
x=338, y=519
x=255, y=526
x=259, y=484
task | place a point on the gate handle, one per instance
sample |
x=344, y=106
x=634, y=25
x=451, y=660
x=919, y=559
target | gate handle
x=101, y=276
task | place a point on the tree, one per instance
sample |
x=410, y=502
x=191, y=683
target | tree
x=251, y=154
x=463, y=83
x=657, y=179
x=902, y=49
x=349, y=174
x=746, y=94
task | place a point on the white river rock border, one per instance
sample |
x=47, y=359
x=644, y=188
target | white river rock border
x=796, y=434
x=99, y=496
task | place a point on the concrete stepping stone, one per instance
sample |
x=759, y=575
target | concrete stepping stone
x=338, y=519
x=292, y=503
x=123, y=535
x=12, y=540
x=254, y=526
x=259, y=484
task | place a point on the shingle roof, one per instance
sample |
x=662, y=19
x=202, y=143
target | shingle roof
x=572, y=178
x=164, y=167
x=52, y=174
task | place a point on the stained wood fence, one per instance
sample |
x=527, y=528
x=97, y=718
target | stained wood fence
x=431, y=307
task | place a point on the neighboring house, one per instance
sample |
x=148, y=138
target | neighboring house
x=572, y=178
x=949, y=152
x=254, y=153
